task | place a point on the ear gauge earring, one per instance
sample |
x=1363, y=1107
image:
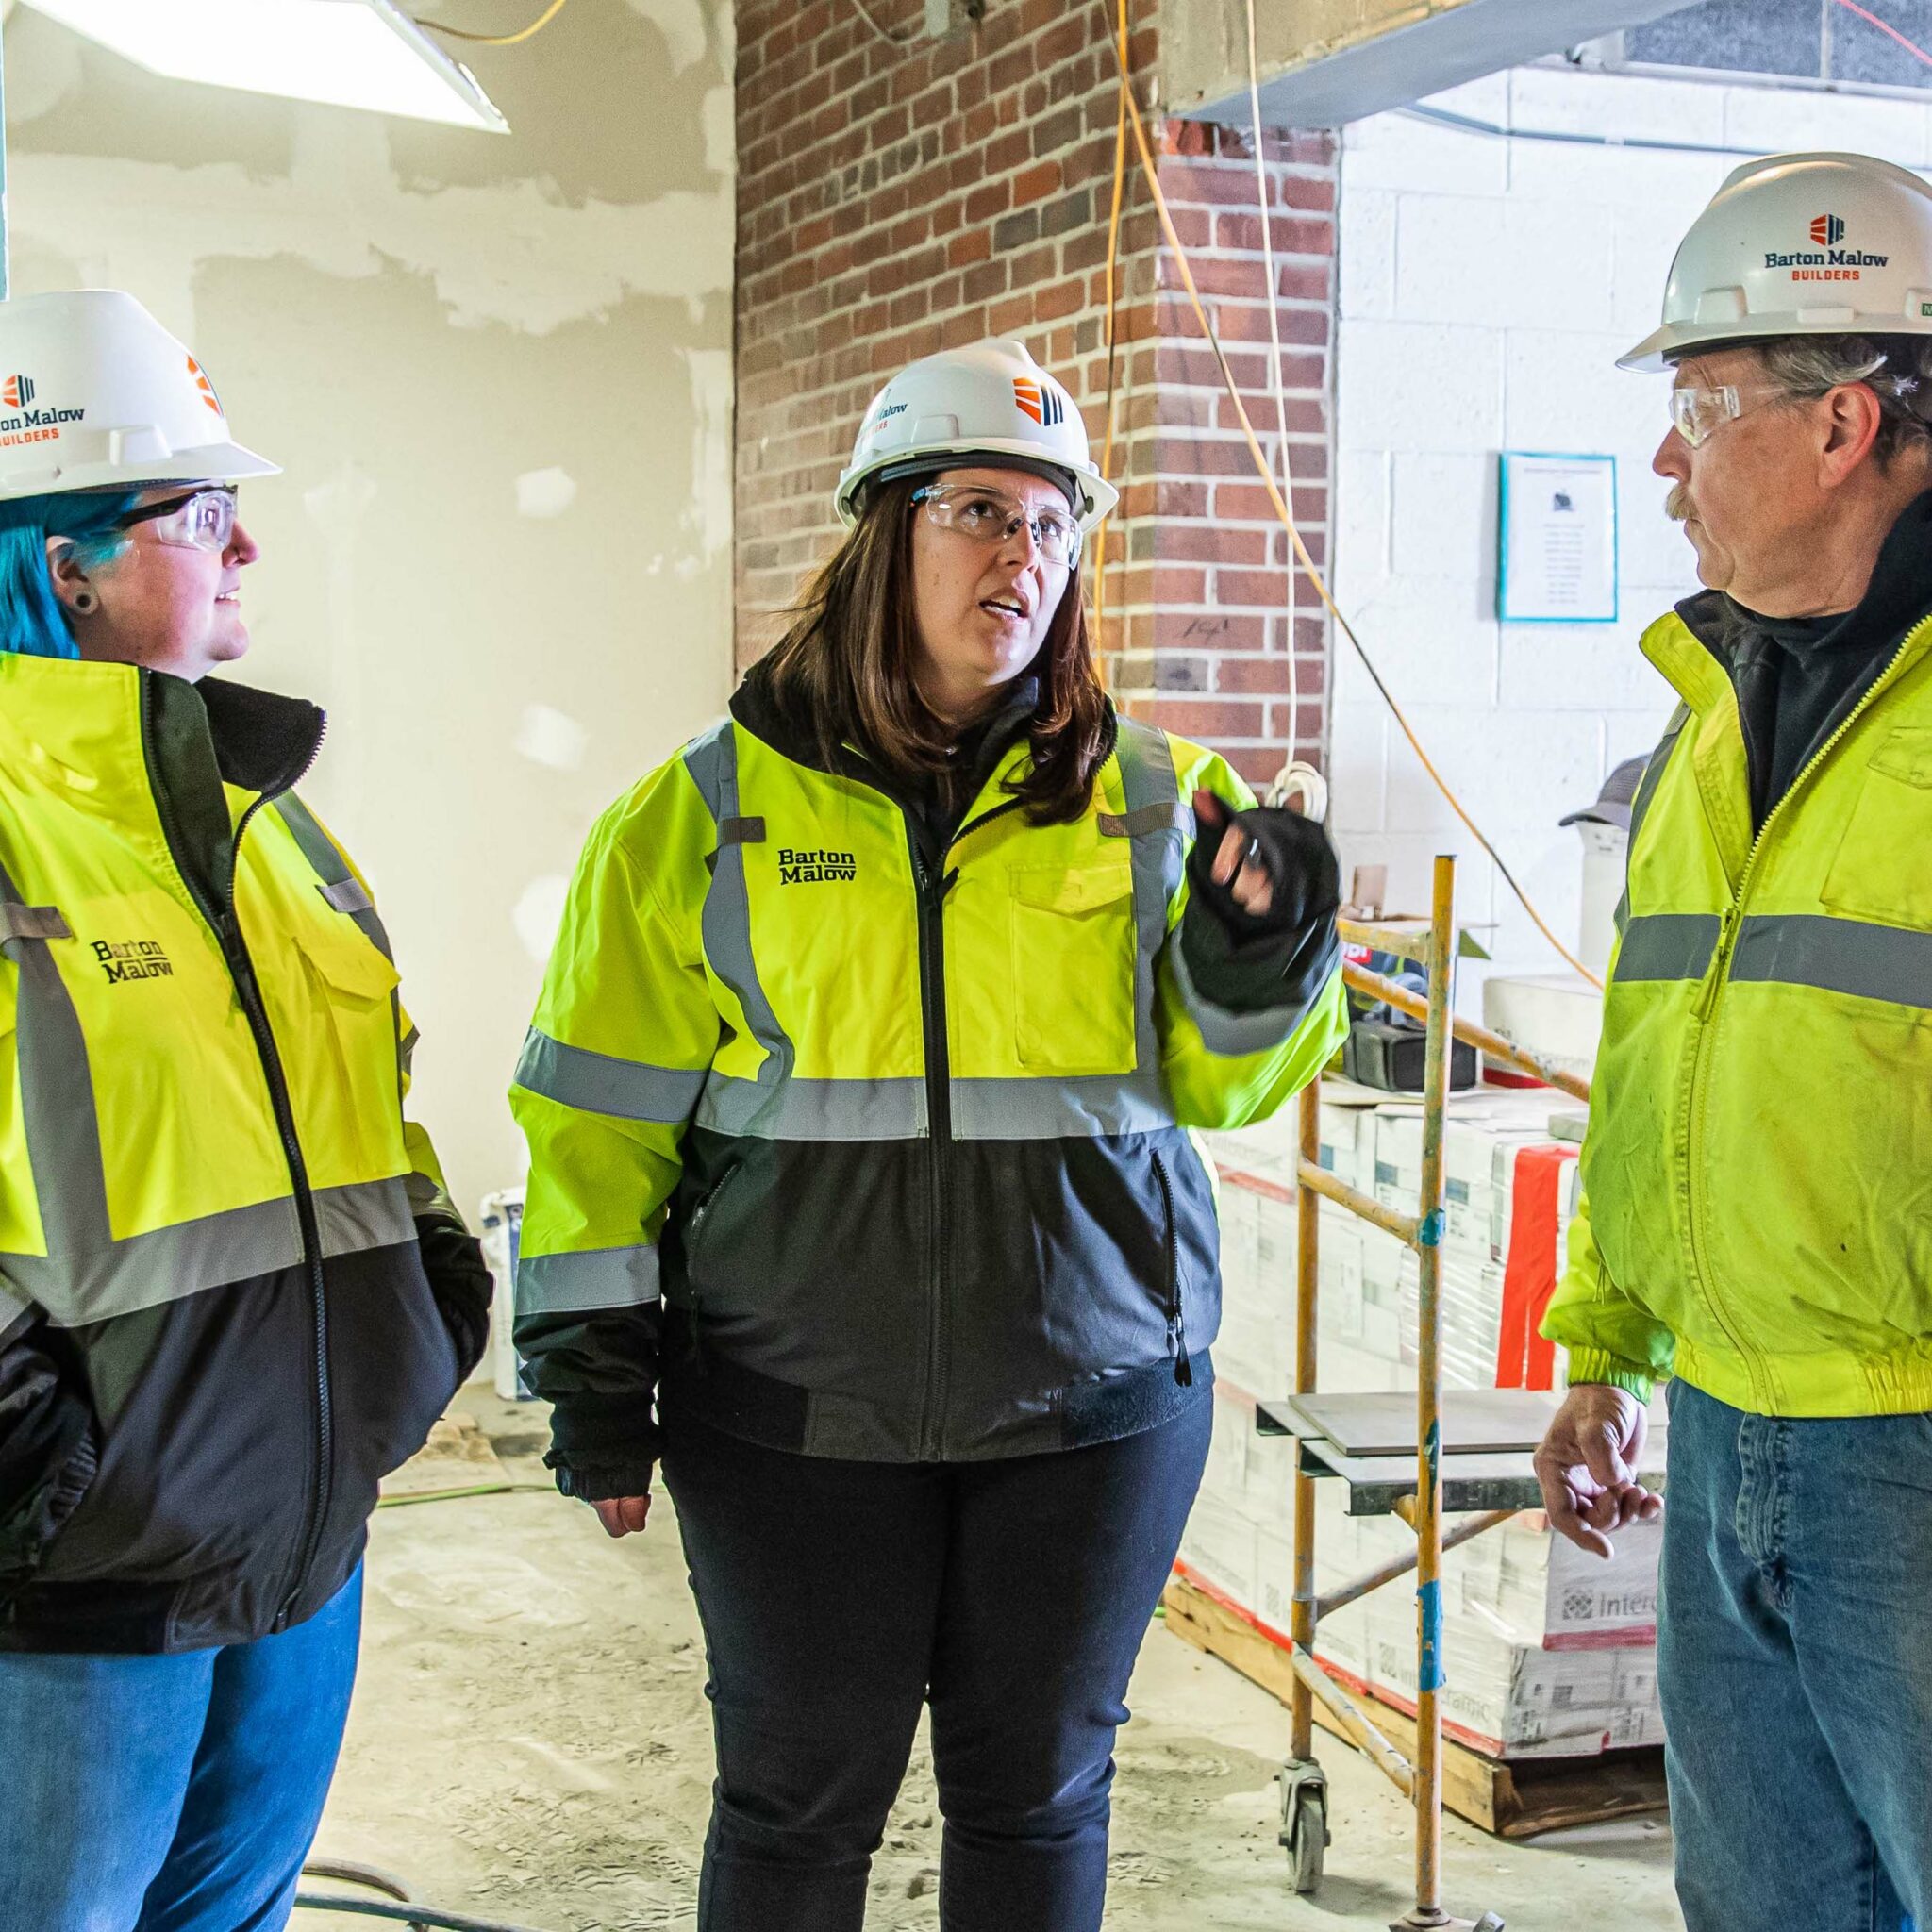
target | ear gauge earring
x=86, y=603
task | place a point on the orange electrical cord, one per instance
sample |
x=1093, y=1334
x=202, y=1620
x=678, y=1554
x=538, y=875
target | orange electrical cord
x=515, y=40
x=1132, y=113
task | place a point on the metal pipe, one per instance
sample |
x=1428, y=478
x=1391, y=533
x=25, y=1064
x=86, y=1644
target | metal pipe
x=1378, y=987
x=1302, y=1614
x=1366, y=1737
x=1427, y=1513
x=1316, y=1179
x=1405, y=941
x=1400, y=1566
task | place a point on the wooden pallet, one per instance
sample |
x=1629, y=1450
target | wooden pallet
x=1514, y=1800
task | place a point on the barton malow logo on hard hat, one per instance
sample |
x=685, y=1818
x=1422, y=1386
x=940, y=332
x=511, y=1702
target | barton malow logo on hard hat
x=1826, y=261
x=23, y=423
x=1041, y=401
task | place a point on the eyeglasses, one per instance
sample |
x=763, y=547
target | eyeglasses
x=991, y=516
x=1698, y=411
x=201, y=520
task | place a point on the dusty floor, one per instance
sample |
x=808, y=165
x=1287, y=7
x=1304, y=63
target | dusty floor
x=530, y=1743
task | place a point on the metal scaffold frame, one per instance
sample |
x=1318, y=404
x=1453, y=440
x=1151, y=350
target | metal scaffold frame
x=1432, y=946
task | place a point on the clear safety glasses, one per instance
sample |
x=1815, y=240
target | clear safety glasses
x=991, y=516
x=1698, y=411
x=201, y=520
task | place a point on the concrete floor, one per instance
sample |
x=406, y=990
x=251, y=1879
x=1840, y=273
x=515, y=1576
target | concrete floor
x=530, y=1743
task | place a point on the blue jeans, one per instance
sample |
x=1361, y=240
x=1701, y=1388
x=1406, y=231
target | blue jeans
x=1794, y=1662
x=170, y=1793
x=838, y=1597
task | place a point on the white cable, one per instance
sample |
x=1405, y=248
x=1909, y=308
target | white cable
x=891, y=40
x=1298, y=784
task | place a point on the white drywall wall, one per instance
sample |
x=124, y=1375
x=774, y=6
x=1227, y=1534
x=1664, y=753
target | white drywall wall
x=496, y=372
x=1486, y=287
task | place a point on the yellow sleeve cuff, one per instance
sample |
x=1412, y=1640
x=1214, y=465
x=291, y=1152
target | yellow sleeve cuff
x=1600, y=1365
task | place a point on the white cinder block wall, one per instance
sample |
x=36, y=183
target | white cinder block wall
x=1486, y=287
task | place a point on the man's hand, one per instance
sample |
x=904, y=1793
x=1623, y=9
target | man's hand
x=1587, y=1466
x=620, y=1515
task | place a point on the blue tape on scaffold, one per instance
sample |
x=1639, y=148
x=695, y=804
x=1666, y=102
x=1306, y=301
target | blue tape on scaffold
x=1429, y=1234
x=1430, y=1668
x=1432, y=1448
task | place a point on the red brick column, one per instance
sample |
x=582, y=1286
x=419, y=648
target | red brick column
x=896, y=200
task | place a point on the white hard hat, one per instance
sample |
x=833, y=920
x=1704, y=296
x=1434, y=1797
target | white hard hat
x=96, y=395
x=992, y=400
x=1800, y=245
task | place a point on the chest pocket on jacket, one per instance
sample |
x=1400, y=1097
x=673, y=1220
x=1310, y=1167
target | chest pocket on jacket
x=1879, y=870
x=1073, y=967
x=347, y=1074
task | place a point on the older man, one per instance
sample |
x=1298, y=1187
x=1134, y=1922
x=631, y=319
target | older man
x=1760, y=1160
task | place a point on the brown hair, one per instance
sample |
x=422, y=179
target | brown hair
x=845, y=667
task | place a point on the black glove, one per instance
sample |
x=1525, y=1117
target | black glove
x=1249, y=962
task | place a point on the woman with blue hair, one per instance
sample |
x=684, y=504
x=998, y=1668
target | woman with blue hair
x=233, y=1293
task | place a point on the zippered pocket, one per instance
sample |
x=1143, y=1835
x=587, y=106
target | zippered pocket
x=700, y=1218
x=1177, y=1314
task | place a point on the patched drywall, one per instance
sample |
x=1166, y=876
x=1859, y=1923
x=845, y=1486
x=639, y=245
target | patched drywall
x=497, y=372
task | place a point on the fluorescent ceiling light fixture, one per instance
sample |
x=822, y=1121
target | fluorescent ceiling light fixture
x=343, y=53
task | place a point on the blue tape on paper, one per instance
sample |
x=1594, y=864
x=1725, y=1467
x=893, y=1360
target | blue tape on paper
x=1430, y=1599
x=1429, y=1234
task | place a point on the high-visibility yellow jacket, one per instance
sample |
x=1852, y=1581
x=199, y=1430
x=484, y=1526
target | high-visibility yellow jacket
x=1758, y=1164
x=216, y=1329
x=902, y=1134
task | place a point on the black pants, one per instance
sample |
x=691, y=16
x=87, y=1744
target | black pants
x=838, y=1597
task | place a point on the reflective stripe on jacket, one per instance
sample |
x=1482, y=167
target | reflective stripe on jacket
x=904, y=1145
x=215, y=1327
x=1759, y=1165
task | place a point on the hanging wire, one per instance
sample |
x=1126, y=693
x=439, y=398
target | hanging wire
x=1113, y=291
x=530, y=32
x=864, y=12
x=1286, y=514
x=1297, y=778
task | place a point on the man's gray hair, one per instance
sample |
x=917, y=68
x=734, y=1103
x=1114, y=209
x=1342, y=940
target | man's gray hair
x=1897, y=369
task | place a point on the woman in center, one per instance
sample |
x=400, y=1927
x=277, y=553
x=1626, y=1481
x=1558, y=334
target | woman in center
x=872, y=1041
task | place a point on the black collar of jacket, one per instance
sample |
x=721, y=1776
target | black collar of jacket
x=199, y=737
x=1898, y=596
x=263, y=742
x=754, y=706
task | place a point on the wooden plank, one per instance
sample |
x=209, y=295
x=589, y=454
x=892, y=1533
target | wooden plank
x=1511, y=1800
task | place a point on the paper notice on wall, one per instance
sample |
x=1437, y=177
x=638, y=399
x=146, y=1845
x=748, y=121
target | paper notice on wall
x=1557, y=536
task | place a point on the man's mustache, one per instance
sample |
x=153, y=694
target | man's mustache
x=1677, y=503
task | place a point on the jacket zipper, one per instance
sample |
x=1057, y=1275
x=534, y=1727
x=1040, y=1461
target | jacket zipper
x=223, y=922
x=932, y=890
x=1176, y=1318
x=1710, y=1001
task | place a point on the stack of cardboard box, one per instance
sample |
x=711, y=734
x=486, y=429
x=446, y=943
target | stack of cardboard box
x=1550, y=1652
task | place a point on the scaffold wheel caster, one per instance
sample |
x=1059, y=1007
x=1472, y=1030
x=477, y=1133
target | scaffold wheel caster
x=1304, y=1823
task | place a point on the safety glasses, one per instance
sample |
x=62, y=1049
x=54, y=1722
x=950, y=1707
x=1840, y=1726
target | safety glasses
x=201, y=520
x=1699, y=411
x=991, y=516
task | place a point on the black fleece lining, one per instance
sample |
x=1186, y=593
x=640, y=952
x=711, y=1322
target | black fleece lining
x=263, y=742
x=1797, y=681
